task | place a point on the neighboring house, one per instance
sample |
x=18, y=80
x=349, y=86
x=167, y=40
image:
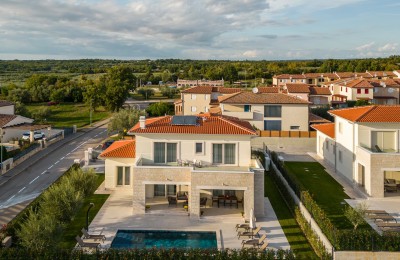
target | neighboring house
x=300, y=90
x=281, y=80
x=386, y=92
x=7, y=107
x=353, y=89
x=192, y=83
x=204, y=156
x=200, y=99
x=7, y=120
x=363, y=146
x=271, y=111
x=320, y=96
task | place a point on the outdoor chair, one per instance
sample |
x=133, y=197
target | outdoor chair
x=251, y=233
x=245, y=226
x=390, y=185
x=255, y=242
x=172, y=201
x=263, y=247
x=86, y=235
x=83, y=244
x=203, y=202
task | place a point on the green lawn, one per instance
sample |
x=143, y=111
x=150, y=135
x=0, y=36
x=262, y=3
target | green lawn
x=298, y=242
x=326, y=191
x=74, y=227
x=69, y=114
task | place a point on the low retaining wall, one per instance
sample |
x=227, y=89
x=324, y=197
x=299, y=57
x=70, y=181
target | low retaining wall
x=305, y=212
x=356, y=255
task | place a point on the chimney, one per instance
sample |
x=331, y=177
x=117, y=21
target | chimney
x=142, y=122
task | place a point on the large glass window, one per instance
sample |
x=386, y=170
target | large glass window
x=165, y=152
x=224, y=153
x=199, y=147
x=123, y=175
x=272, y=111
x=274, y=125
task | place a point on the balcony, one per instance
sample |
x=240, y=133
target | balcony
x=240, y=115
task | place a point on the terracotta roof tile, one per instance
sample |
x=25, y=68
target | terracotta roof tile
x=268, y=90
x=382, y=73
x=288, y=76
x=198, y=90
x=223, y=125
x=229, y=90
x=359, y=83
x=5, y=119
x=259, y=98
x=314, y=90
x=327, y=129
x=297, y=88
x=376, y=113
x=120, y=149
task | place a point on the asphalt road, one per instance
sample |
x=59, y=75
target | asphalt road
x=26, y=181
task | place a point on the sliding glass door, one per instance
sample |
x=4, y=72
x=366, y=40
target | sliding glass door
x=165, y=152
x=224, y=153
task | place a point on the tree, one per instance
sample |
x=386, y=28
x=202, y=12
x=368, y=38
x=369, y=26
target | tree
x=58, y=95
x=356, y=215
x=94, y=94
x=123, y=120
x=118, y=81
x=361, y=102
x=20, y=109
x=19, y=95
x=160, y=109
x=41, y=114
x=146, y=92
x=169, y=92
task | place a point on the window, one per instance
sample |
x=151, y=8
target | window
x=193, y=96
x=224, y=153
x=359, y=91
x=366, y=91
x=199, y=148
x=194, y=109
x=247, y=108
x=340, y=127
x=123, y=175
x=272, y=125
x=272, y=111
x=341, y=88
x=340, y=156
x=294, y=127
x=164, y=152
x=327, y=145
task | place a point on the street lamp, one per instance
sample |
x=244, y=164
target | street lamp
x=87, y=216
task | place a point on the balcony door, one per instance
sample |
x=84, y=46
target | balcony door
x=224, y=153
x=165, y=152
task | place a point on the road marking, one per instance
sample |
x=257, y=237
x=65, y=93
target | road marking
x=62, y=158
x=67, y=154
x=21, y=189
x=56, y=162
x=50, y=167
x=34, y=179
x=43, y=173
x=11, y=198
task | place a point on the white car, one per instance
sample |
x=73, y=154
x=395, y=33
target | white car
x=36, y=135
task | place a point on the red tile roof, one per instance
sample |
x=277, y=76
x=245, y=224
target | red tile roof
x=289, y=76
x=229, y=90
x=359, y=83
x=376, y=113
x=268, y=90
x=314, y=90
x=327, y=129
x=223, y=125
x=5, y=119
x=120, y=149
x=313, y=118
x=259, y=98
x=297, y=88
x=198, y=90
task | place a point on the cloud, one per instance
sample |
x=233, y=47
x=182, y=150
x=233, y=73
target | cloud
x=388, y=47
x=366, y=46
x=250, y=54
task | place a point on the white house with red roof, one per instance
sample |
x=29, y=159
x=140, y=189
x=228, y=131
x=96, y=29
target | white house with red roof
x=199, y=157
x=364, y=146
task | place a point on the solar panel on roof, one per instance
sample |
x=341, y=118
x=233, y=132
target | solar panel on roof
x=184, y=120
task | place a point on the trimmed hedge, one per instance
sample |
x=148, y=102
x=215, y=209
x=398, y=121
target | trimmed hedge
x=154, y=254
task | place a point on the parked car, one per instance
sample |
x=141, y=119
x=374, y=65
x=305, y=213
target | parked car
x=107, y=144
x=36, y=135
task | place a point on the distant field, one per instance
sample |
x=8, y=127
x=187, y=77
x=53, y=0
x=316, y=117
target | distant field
x=68, y=114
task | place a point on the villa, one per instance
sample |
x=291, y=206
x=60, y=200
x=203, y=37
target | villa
x=197, y=159
x=363, y=146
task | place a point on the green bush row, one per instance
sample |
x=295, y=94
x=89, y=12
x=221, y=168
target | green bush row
x=41, y=225
x=154, y=254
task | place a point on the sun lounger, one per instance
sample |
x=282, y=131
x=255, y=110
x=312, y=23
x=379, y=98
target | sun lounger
x=376, y=212
x=255, y=242
x=388, y=225
x=386, y=218
x=86, y=235
x=263, y=247
x=83, y=244
x=251, y=233
x=244, y=226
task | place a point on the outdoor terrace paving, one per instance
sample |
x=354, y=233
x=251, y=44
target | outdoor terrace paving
x=117, y=213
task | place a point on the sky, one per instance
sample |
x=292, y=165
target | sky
x=199, y=29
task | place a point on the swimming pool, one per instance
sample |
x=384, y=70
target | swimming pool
x=164, y=239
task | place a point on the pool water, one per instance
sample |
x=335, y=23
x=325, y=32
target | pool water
x=164, y=239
